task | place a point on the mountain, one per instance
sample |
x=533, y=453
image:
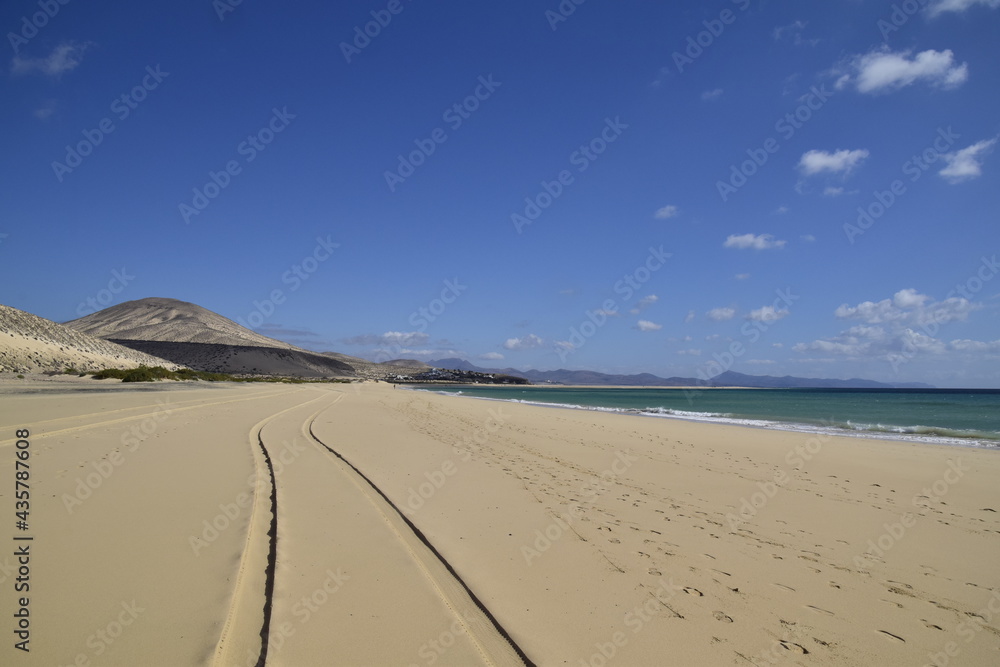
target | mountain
x=32, y=344
x=726, y=379
x=170, y=320
x=192, y=336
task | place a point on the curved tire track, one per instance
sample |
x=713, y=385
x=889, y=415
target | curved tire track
x=492, y=639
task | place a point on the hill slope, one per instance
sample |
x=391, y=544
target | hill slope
x=190, y=335
x=32, y=344
x=170, y=320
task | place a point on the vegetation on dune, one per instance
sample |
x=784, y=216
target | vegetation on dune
x=152, y=374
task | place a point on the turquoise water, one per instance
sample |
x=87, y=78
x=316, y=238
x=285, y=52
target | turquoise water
x=945, y=416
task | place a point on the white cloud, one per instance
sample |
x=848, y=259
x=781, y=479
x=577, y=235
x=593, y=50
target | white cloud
x=607, y=313
x=781, y=210
x=742, y=276
x=840, y=161
x=767, y=314
x=644, y=303
x=833, y=192
x=967, y=163
x=692, y=352
x=966, y=345
x=689, y=317
x=709, y=95
x=757, y=242
x=646, y=325
x=667, y=212
x=902, y=325
x=942, y=6
x=64, y=57
x=808, y=238
x=491, y=356
x=721, y=314
x=882, y=70
x=529, y=342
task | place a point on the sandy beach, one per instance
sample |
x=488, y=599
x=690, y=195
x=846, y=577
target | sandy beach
x=196, y=524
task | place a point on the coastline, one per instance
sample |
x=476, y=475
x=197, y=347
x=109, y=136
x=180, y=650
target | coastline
x=924, y=436
x=583, y=533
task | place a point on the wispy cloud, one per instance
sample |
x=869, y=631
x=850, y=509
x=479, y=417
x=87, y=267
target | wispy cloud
x=644, y=303
x=838, y=162
x=710, y=95
x=967, y=163
x=64, y=58
x=721, y=314
x=667, y=212
x=529, y=342
x=405, y=339
x=646, y=325
x=753, y=241
x=942, y=6
x=491, y=356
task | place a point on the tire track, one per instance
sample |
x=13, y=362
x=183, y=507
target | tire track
x=170, y=410
x=253, y=592
x=491, y=638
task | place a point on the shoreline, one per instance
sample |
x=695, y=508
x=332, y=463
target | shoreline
x=764, y=424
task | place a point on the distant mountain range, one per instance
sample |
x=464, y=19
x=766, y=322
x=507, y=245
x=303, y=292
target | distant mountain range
x=726, y=379
x=160, y=331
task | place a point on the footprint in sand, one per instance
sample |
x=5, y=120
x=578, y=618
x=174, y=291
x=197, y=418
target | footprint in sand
x=653, y=571
x=893, y=637
x=819, y=610
x=719, y=616
x=930, y=625
x=785, y=588
x=693, y=591
x=793, y=647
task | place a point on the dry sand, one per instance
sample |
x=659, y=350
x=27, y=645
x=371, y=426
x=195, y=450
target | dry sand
x=417, y=529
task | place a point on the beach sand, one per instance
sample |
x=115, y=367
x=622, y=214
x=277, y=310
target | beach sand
x=368, y=525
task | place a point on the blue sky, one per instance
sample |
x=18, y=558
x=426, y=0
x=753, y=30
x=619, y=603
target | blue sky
x=679, y=188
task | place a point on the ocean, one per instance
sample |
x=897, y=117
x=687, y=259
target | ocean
x=969, y=417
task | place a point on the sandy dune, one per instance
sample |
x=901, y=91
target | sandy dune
x=31, y=344
x=365, y=525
